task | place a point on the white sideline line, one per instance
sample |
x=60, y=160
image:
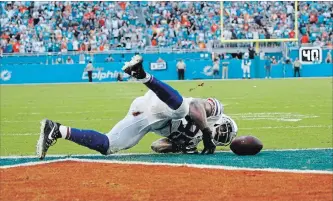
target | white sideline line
x=253, y=128
x=142, y=154
x=207, y=166
x=137, y=82
x=76, y=155
x=33, y=163
x=221, y=167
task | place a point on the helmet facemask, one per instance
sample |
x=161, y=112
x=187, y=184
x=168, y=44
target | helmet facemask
x=223, y=134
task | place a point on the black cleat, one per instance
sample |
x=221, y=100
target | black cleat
x=49, y=133
x=134, y=67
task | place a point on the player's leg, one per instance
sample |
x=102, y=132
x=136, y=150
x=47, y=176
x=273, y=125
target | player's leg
x=51, y=131
x=164, y=92
x=123, y=135
x=226, y=72
x=299, y=72
x=128, y=132
x=248, y=72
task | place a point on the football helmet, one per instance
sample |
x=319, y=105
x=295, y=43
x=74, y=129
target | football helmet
x=224, y=131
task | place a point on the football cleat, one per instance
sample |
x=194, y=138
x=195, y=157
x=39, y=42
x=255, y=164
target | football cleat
x=49, y=133
x=134, y=67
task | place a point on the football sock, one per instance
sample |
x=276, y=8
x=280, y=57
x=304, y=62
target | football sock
x=164, y=92
x=88, y=138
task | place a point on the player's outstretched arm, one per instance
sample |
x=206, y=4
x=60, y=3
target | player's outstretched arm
x=199, y=111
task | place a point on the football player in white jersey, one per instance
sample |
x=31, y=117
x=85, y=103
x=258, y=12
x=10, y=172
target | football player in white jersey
x=153, y=112
x=185, y=136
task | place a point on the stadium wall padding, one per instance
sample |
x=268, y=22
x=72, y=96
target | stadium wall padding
x=20, y=74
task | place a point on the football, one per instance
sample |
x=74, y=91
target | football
x=246, y=145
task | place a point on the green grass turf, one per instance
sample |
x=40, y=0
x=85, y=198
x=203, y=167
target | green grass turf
x=260, y=107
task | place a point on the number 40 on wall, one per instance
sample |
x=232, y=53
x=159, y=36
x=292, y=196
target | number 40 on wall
x=310, y=55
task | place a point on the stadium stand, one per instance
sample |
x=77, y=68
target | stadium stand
x=39, y=27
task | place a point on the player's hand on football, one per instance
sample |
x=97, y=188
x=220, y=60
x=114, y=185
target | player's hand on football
x=209, y=145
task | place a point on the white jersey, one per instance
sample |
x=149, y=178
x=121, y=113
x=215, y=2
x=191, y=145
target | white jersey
x=146, y=114
x=149, y=114
x=157, y=112
x=184, y=131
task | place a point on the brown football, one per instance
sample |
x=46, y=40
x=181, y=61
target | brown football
x=246, y=145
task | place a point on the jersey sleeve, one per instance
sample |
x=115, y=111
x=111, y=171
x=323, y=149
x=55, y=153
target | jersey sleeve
x=217, y=107
x=218, y=111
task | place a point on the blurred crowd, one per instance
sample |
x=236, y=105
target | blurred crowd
x=316, y=23
x=70, y=26
x=259, y=20
x=29, y=26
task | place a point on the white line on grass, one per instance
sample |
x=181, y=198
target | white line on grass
x=221, y=167
x=207, y=166
x=250, y=128
x=143, y=154
x=32, y=163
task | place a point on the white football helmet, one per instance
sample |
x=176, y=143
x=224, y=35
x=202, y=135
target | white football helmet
x=224, y=131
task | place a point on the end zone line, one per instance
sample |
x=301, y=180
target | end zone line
x=152, y=153
x=220, y=167
x=33, y=163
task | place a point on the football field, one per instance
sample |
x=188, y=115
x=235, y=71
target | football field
x=283, y=114
x=292, y=117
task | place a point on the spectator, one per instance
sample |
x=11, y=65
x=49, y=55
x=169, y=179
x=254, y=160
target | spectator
x=252, y=52
x=59, y=60
x=82, y=59
x=305, y=39
x=262, y=55
x=216, y=68
x=119, y=77
x=89, y=68
x=109, y=59
x=328, y=57
x=69, y=60
x=268, y=67
x=225, y=67
x=273, y=60
x=297, y=67
x=181, y=67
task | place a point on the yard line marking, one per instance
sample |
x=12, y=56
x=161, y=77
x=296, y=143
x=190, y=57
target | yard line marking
x=220, y=167
x=141, y=154
x=250, y=128
x=284, y=127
